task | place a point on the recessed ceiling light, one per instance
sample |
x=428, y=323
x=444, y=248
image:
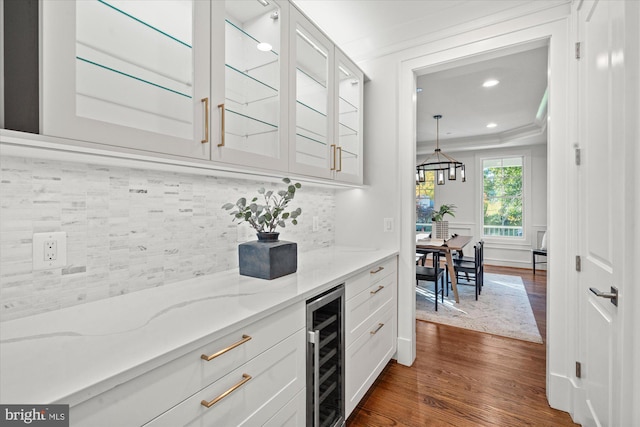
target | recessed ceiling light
x=491, y=125
x=490, y=83
x=265, y=47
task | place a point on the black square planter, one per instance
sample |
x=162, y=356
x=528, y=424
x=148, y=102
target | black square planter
x=268, y=259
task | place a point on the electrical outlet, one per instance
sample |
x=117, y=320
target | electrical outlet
x=388, y=225
x=49, y=250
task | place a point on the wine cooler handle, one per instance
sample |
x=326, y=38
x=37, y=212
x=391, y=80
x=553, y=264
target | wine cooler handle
x=314, y=338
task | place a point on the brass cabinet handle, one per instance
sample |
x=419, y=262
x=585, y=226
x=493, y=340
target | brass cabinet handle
x=244, y=339
x=221, y=108
x=206, y=120
x=245, y=378
x=340, y=168
x=377, y=290
x=378, y=270
x=333, y=157
x=380, y=325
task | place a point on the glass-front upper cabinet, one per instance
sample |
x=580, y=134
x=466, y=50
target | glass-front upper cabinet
x=312, y=142
x=349, y=82
x=249, y=79
x=132, y=74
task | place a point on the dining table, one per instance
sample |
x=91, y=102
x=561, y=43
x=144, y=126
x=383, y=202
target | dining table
x=455, y=243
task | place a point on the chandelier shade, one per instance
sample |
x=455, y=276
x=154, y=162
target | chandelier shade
x=440, y=162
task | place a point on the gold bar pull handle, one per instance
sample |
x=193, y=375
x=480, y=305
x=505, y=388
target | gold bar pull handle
x=333, y=157
x=206, y=120
x=375, y=331
x=377, y=290
x=221, y=108
x=245, y=378
x=340, y=157
x=244, y=339
x=377, y=270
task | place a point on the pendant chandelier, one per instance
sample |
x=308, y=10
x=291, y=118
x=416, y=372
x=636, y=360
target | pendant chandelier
x=440, y=162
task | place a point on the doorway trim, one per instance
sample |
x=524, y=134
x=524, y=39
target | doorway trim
x=552, y=25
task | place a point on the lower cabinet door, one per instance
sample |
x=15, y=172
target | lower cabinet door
x=293, y=414
x=367, y=357
x=248, y=396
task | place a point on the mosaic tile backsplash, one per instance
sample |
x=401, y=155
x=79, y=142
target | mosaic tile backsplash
x=127, y=229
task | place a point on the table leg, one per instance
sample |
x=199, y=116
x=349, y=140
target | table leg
x=452, y=274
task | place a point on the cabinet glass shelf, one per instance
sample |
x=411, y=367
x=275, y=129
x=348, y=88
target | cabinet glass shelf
x=252, y=78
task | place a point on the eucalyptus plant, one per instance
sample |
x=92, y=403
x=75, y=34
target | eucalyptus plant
x=268, y=213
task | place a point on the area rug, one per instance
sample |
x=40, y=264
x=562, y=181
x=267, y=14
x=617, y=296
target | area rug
x=502, y=309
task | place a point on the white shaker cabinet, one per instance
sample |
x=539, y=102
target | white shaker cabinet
x=371, y=328
x=130, y=74
x=250, y=56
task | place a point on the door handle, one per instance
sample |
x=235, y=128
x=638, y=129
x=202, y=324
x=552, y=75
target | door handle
x=613, y=295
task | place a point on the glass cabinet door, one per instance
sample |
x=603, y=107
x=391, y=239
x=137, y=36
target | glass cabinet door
x=250, y=109
x=127, y=73
x=349, y=81
x=313, y=138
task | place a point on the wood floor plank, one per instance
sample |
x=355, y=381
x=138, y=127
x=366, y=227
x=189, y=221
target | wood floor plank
x=465, y=378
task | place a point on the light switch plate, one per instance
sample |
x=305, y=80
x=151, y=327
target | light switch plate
x=49, y=250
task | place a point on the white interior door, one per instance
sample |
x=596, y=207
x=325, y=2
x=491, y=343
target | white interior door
x=601, y=203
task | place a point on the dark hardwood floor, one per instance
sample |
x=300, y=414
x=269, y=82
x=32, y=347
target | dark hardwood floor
x=466, y=378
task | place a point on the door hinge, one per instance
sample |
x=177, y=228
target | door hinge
x=577, y=150
x=578, y=50
x=578, y=369
x=578, y=263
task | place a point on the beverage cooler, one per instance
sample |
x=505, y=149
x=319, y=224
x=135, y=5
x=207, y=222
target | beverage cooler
x=325, y=359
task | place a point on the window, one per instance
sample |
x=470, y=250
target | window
x=503, y=196
x=425, y=196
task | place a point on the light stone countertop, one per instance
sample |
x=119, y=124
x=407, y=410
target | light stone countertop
x=70, y=355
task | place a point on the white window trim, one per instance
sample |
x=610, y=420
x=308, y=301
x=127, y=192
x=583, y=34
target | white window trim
x=499, y=241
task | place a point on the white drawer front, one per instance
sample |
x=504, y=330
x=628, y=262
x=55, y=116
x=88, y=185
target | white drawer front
x=277, y=375
x=140, y=400
x=366, y=304
x=376, y=273
x=293, y=414
x=368, y=355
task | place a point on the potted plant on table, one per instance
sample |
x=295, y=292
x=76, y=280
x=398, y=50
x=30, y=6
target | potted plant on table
x=268, y=257
x=440, y=227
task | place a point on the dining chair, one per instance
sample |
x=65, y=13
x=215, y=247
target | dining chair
x=473, y=266
x=433, y=273
x=541, y=251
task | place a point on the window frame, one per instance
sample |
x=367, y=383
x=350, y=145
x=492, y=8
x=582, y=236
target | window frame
x=525, y=155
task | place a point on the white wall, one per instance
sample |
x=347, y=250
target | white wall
x=390, y=156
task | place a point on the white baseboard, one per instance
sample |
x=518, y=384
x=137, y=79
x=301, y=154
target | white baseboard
x=406, y=354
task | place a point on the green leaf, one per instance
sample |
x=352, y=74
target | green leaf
x=242, y=202
x=298, y=185
x=292, y=189
x=286, y=180
x=281, y=223
x=254, y=199
x=247, y=215
x=253, y=207
x=228, y=206
x=294, y=221
x=285, y=215
x=282, y=193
